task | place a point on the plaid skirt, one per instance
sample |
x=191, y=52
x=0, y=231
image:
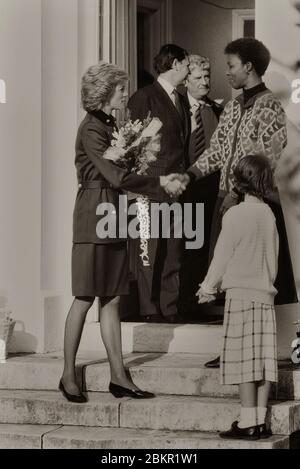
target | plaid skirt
x=249, y=350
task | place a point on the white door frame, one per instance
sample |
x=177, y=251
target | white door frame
x=160, y=26
x=238, y=20
x=118, y=32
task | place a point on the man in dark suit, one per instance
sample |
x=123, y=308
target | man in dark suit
x=158, y=284
x=204, y=115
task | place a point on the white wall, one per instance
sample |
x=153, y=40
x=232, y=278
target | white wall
x=205, y=29
x=285, y=51
x=20, y=153
x=70, y=46
x=45, y=45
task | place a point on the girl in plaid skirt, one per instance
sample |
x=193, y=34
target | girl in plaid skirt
x=245, y=267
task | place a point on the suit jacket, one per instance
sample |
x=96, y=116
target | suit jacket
x=93, y=138
x=173, y=157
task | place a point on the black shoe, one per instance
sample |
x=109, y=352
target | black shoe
x=173, y=319
x=119, y=391
x=264, y=431
x=155, y=319
x=213, y=364
x=236, y=433
x=79, y=399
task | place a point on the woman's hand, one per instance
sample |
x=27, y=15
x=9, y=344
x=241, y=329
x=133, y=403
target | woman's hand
x=228, y=202
x=204, y=297
x=174, y=184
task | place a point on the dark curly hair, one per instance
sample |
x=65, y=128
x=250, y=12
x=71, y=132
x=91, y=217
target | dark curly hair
x=168, y=53
x=253, y=175
x=251, y=50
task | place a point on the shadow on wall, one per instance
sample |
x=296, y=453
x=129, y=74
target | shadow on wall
x=22, y=340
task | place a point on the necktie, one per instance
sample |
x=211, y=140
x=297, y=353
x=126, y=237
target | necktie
x=200, y=143
x=178, y=104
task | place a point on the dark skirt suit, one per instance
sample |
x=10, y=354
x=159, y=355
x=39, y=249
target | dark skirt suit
x=100, y=265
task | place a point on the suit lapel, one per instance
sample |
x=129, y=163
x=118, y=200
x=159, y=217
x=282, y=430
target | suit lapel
x=168, y=103
x=187, y=111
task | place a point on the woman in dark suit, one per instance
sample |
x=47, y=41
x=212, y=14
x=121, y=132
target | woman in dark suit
x=99, y=264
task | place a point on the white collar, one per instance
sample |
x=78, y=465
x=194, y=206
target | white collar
x=166, y=85
x=193, y=102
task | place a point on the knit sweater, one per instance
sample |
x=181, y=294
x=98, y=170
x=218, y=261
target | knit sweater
x=255, y=127
x=245, y=259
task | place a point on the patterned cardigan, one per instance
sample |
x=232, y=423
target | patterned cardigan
x=257, y=127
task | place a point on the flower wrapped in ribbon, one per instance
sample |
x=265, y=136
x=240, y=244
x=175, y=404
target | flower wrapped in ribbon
x=134, y=147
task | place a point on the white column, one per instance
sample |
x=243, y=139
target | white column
x=60, y=108
x=88, y=38
x=118, y=36
x=21, y=148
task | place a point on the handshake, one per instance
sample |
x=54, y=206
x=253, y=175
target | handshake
x=174, y=184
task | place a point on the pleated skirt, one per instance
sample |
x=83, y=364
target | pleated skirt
x=249, y=345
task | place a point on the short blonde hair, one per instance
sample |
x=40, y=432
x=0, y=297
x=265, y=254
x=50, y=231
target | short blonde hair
x=99, y=83
x=199, y=61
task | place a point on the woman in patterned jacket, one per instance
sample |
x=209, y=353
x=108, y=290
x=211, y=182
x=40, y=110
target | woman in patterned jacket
x=252, y=123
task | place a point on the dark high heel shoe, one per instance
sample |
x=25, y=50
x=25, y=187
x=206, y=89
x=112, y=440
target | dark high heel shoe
x=79, y=399
x=119, y=391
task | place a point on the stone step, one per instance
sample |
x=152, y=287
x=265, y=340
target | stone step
x=124, y=438
x=23, y=436
x=47, y=437
x=162, y=413
x=175, y=374
x=162, y=338
x=188, y=338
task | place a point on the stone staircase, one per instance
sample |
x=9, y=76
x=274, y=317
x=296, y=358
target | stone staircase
x=189, y=410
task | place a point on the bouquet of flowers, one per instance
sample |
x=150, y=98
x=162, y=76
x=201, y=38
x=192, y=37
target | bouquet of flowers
x=134, y=146
x=7, y=325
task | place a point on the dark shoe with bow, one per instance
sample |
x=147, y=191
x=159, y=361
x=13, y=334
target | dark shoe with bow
x=77, y=398
x=236, y=433
x=264, y=431
x=173, y=319
x=155, y=319
x=213, y=363
x=120, y=391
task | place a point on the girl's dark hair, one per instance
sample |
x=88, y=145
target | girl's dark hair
x=253, y=175
x=168, y=53
x=251, y=50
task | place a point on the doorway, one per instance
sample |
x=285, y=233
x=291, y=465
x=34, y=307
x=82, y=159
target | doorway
x=153, y=30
